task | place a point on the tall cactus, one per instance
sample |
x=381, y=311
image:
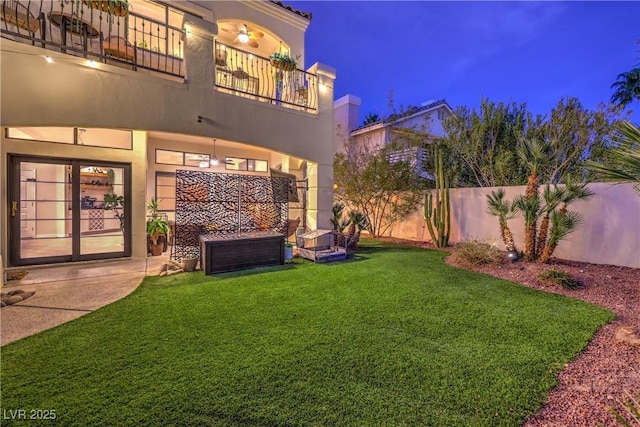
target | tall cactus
x=438, y=217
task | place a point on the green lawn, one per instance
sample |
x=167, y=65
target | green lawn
x=393, y=337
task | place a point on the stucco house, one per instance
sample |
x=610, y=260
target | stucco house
x=425, y=120
x=100, y=99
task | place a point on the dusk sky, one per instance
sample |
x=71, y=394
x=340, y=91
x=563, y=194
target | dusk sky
x=531, y=52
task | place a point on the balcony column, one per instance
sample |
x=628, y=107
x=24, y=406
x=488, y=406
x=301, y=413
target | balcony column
x=198, y=51
x=320, y=175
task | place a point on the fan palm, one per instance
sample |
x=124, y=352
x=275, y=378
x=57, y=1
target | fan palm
x=552, y=199
x=562, y=224
x=530, y=208
x=625, y=164
x=626, y=88
x=504, y=211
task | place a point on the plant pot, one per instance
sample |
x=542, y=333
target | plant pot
x=283, y=65
x=161, y=240
x=288, y=253
x=107, y=6
x=189, y=264
x=156, y=250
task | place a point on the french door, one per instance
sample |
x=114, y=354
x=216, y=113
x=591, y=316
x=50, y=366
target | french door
x=64, y=210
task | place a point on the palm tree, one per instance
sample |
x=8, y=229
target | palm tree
x=504, y=211
x=370, y=119
x=562, y=224
x=625, y=164
x=552, y=199
x=530, y=208
x=626, y=88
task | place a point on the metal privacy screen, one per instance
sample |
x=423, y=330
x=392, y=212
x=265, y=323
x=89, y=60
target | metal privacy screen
x=221, y=203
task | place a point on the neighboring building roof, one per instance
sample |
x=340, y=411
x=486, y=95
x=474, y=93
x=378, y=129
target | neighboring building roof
x=306, y=15
x=410, y=112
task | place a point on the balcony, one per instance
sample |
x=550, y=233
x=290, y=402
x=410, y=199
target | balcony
x=252, y=76
x=150, y=37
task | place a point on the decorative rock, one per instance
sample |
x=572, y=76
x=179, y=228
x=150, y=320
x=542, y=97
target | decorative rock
x=2, y=304
x=162, y=273
x=626, y=335
x=16, y=292
x=26, y=295
x=2, y=294
x=14, y=299
x=4, y=299
x=169, y=273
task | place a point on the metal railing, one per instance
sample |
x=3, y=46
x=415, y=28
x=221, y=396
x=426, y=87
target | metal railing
x=85, y=28
x=248, y=75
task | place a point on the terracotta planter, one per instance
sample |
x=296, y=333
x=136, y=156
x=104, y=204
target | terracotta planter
x=106, y=6
x=189, y=264
x=283, y=65
x=156, y=250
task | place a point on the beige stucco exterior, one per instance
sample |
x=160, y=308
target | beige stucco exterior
x=609, y=234
x=70, y=93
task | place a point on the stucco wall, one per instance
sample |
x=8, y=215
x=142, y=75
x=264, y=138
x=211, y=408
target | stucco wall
x=610, y=233
x=70, y=93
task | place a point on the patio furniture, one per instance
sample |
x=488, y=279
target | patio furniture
x=238, y=251
x=118, y=47
x=319, y=246
x=19, y=15
x=69, y=23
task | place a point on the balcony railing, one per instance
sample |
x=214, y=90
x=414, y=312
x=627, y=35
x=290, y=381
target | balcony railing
x=82, y=28
x=248, y=75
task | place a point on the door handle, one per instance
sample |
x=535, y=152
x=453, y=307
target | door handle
x=14, y=208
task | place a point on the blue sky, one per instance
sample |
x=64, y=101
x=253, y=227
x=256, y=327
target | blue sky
x=531, y=52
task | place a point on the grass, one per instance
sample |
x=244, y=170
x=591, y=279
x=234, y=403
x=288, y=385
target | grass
x=392, y=337
x=558, y=277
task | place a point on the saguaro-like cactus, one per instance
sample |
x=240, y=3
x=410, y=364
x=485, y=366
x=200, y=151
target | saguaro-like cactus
x=437, y=213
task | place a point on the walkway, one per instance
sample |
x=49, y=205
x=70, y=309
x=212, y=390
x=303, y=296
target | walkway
x=64, y=293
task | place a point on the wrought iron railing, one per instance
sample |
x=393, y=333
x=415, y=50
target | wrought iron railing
x=88, y=29
x=248, y=75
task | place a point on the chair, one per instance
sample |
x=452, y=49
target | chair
x=19, y=15
x=118, y=47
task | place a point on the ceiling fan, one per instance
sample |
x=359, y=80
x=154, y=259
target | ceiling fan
x=244, y=35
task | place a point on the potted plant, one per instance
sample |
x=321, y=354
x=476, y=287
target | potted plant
x=156, y=228
x=115, y=203
x=282, y=61
x=288, y=251
x=112, y=7
x=189, y=262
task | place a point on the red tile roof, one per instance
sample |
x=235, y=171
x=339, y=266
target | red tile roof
x=306, y=15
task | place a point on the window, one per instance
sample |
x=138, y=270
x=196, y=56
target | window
x=169, y=157
x=240, y=164
x=166, y=191
x=109, y=138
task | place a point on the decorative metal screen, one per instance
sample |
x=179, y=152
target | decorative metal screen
x=221, y=203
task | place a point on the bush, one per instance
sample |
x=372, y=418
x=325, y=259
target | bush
x=476, y=253
x=631, y=412
x=557, y=277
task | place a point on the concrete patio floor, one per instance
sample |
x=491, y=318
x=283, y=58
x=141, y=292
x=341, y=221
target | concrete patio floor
x=66, y=292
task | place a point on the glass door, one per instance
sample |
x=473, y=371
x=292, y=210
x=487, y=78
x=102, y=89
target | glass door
x=67, y=210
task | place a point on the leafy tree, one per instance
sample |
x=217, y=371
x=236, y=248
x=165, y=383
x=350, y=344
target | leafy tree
x=370, y=119
x=624, y=161
x=480, y=145
x=385, y=187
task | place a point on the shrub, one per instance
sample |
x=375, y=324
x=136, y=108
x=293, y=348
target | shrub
x=557, y=277
x=631, y=412
x=475, y=253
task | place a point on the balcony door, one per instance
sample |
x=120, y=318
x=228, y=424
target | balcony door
x=68, y=210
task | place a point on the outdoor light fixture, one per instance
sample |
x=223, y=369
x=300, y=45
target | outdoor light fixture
x=214, y=159
x=243, y=37
x=48, y=59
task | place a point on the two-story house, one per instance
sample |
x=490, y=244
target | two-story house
x=424, y=122
x=117, y=97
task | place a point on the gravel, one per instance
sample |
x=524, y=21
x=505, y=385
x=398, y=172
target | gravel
x=599, y=377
